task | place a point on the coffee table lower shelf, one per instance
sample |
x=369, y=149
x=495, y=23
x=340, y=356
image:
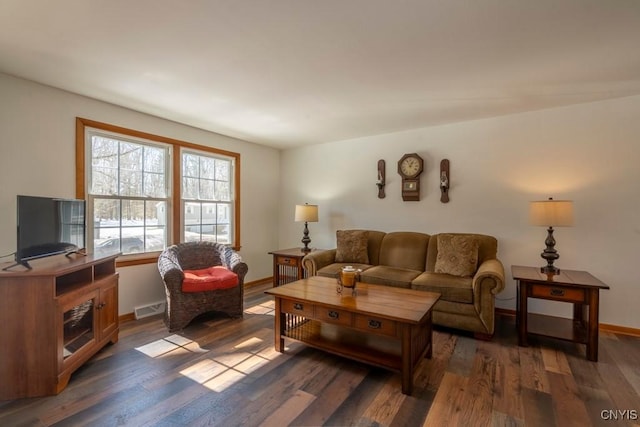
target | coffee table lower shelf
x=372, y=349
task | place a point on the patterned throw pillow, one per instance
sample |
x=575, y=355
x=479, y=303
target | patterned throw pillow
x=457, y=255
x=352, y=246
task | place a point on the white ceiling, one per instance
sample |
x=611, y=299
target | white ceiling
x=292, y=72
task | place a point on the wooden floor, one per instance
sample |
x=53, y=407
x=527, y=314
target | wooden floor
x=225, y=372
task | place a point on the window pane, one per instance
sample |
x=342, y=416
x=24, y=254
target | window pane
x=130, y=156
x=223, y=191
x=189, y=188
x=104, y=161
x=154, y=185
x=104, y=181
x=224, y=216
x=222, y=234
x=191, y=214
x=155, y=226
x=207, y=167
x=207, y=190
x=192, y=233
x=223, y=168
x=189, y=165
x=130, y=183
x=132, y=239
x=154, y=159
x=106, y=222
x=104, y=152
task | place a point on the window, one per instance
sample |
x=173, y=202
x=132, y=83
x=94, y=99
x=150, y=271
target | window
x=145, y=192
x=207, y=197
x=127, y=193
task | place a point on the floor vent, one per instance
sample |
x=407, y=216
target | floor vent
x=149, y=310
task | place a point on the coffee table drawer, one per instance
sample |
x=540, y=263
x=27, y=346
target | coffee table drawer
x=376, y=325
x=558, y=293
x=331, y=315
x=299, y=308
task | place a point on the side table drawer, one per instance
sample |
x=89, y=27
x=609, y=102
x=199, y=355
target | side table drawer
x=558, y=293
x=299, y=308
x=283, y=260
x=331, y=315
x=376, y=325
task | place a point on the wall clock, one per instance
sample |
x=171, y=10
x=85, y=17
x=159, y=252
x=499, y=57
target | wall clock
x=410, y=166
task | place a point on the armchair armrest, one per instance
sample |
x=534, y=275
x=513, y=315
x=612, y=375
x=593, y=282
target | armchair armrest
x=314, y=261
x=170, y=270
x=233, y=261
x=490, y=269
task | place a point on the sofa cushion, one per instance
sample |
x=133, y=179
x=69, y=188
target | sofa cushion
x=488, y=248
x=352, y=246
x=391, y=276
x=208, y=279
x=457, y=255
x=332, y=270
x=404, y=249
x=451, y=288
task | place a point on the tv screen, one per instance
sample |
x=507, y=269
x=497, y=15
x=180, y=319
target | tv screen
x=49, y=226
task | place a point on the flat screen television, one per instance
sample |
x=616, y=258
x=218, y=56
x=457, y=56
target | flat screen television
x=49, y=226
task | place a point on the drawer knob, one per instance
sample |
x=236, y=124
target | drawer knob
x=286, y=260
x=375, y=324
x=297, y=306
x=557, y=292
x=334, y=314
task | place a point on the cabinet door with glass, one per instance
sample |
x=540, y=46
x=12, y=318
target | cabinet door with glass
x=79, y=325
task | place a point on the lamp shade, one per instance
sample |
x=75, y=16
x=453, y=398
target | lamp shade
x=306, y=213
x=551, y=213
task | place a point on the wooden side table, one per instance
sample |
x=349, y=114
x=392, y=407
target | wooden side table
x=287, y=265
x=577, y=287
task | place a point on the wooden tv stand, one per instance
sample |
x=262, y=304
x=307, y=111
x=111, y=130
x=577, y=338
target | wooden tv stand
x=54, y=317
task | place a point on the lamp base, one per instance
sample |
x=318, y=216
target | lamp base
x=550, y=254
x=547, y=269
x=306, y=239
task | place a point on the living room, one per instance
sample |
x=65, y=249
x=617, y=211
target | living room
x=584, y=151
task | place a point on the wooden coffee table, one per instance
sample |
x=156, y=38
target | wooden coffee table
x=381, y=326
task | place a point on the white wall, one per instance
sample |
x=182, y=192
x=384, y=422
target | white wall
x=37, y=157
x=588, y=153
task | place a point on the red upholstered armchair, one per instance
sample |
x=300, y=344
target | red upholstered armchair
x=186, y=301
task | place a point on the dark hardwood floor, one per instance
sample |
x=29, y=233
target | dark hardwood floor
x=225, y=372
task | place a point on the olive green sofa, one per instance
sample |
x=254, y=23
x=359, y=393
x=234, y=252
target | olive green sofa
x=468, y=274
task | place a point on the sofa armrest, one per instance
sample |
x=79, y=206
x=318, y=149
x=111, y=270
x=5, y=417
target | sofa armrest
x=487, y=283
x=490, y=269
x=314, y=261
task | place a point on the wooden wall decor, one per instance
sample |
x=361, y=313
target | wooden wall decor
x=445, y=179
x=410, y=166
x=381, y=179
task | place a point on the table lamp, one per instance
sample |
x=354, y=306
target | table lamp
x=551, y=213
x=307, y=213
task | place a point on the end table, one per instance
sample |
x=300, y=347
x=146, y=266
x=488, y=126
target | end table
x=577, y=287
x=287, y=265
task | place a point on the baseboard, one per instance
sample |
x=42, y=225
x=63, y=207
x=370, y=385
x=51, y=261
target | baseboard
x=603, y=326
x=259, y=282
x=127, y=317
x=620, y=329
x=505, y=312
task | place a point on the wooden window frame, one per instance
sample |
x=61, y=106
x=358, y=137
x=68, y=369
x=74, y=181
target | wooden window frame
x=175, y=196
